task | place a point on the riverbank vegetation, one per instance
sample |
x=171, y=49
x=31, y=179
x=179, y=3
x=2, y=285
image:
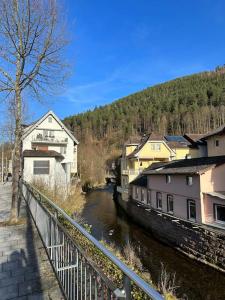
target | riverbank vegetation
x=72, y=203
x=169, y=108
x=165, y=285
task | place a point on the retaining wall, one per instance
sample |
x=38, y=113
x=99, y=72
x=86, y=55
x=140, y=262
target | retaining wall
x=199, y=242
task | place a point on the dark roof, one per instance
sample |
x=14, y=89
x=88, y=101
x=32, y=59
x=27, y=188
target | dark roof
x=217, y=131
x=193, y=137
x=41, y=153
x=140, y=181
x=156, y=165
x=140, y=146
x=175, y=138
x=189, y=166
x=173, y=145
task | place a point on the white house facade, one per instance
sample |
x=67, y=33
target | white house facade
x=49, y=152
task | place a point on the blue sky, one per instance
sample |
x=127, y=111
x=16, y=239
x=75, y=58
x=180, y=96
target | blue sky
x=121, y=46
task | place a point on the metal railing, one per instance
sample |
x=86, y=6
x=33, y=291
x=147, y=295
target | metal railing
x=79, y=276
x=49, y=139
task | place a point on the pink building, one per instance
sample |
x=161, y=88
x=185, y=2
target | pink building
x=190, y=189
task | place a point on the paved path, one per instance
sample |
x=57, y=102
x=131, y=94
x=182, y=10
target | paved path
x=25, y=272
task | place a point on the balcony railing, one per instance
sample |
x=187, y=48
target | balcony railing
x=79, y=276
x=49, y=139
x=132, y=171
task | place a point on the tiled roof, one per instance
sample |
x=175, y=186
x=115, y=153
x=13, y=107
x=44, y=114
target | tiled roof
x=189, y=166
x=193, y=136
x=41, y=153
x=140, y=181
x=219, y=130
x=173, y=145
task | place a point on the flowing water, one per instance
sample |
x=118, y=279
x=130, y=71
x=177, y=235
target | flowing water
x=109, y=222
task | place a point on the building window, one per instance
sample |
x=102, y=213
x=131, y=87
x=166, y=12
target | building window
x=217, y=143
x=170, y=204
x=63, y=150
x=156, y=147
x=219, y=211
x=189, y=180
x=49, y=119
x=142, y=195
x=191, y=210
x=168, y=178
x=136, y=192
x=149, y=197
x=159, y=200
x=41, y=167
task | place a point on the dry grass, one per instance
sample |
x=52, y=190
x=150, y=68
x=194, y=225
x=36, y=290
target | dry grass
x=71, y=202
x=167, y=283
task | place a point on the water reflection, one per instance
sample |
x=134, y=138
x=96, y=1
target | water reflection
x=108, y=221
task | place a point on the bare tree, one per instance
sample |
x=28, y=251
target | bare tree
x=31, y=44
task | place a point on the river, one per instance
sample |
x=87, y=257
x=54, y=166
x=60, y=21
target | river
x=195, y=281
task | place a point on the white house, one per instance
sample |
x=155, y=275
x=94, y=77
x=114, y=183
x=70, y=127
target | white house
x=49, y=152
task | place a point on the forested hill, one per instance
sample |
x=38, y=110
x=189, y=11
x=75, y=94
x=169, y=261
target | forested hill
x=193, y=103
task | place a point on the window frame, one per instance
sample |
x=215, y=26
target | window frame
x=149, y=197
x=168, y=178
x=159, y=200
x=189, y=201
x=169, y=198
x=156, y=147
x=142, y=195
x=35, y=168
x=215, y=205
x=49, y=119
x=187, y=180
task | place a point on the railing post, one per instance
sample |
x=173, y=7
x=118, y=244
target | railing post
x=127, y=287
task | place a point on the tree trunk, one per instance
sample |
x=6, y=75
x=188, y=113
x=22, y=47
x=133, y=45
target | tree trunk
x=16, y=158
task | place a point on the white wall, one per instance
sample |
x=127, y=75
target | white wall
x=70, y=157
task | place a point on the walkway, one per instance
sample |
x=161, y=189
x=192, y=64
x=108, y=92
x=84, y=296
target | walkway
x=25, y=272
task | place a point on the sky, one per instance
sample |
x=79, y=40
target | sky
x=119, y=47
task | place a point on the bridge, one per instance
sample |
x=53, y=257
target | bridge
x=79, y=266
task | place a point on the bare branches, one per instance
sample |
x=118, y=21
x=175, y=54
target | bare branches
x=31, y=42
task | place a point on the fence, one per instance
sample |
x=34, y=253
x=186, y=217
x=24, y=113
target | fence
x=79, y=276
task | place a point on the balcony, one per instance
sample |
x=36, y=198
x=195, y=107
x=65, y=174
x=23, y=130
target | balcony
x=39, y=138
x=131, y=172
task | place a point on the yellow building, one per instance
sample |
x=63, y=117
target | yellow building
x=152, y=148
x=138, y=156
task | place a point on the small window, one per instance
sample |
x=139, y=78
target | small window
x=159, y=200
x=51, y=133
x=49, y=119
x=219, y=211
x=142, y=195
x=149, y=197
x=136, y=192
x=189, y=180
x=170, y=204
x=63, y=150
x=217, y=143
x=168, y=178
x=191, y=210
x=41, y=167
x=155, y=147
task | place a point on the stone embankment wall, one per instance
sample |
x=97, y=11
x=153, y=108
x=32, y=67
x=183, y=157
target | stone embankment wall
x=198, y=242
